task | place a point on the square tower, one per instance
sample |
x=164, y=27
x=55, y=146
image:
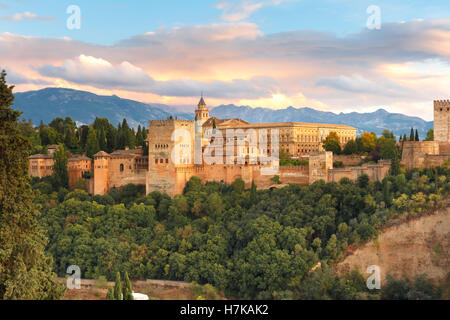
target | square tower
x=442, y=121
x=171, y=146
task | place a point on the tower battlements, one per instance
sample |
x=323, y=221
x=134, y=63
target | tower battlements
x=442, y=104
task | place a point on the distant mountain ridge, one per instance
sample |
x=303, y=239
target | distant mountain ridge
x=84, y=107
x=373, y=122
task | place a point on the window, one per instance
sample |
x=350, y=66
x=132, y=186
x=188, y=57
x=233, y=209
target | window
x=122, y=168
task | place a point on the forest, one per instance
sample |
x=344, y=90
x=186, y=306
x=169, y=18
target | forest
x=247, y=243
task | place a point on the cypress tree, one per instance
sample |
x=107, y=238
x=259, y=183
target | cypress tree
x=92, y=145
x=127, y=288
x=60, y=172
x=411, y=136
x=417, y=136
x=110, y=294
x=102, y=140
x=118, y=288
x=25, y=270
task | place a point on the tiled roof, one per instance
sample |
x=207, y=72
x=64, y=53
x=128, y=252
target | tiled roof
x=294, y=124
x=101, y=154
x=79, y=158
x=41, y=156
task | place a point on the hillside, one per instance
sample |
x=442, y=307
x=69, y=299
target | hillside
x=84, y=107
x=408, y=249
x=373, y=122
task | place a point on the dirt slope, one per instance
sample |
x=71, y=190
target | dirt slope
x=409, y=249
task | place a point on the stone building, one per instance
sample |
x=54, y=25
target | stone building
x=417, y=154
x=214, y=150
x=226, y=149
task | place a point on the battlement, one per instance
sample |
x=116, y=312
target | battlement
x=169, y=123
x=442, y=104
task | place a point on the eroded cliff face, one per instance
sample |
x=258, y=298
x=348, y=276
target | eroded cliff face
x=408, y=249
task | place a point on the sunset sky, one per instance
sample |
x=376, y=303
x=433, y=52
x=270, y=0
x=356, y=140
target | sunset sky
x=261, y=53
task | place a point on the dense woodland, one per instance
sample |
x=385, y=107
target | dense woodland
x=247, y=243
x=85, y=139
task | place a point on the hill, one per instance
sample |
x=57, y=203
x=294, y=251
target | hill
x=408, y=249
x=373, y=122
x=84, y=107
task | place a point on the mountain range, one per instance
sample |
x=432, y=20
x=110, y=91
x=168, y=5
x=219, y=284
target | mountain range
x=84, y=107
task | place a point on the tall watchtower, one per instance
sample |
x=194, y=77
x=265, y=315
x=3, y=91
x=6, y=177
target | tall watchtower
x=442, y=120
x=202, y=112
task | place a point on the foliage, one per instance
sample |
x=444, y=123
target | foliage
x=420, y=289
x=246, y=243
x=331, y=143
x=25, y=270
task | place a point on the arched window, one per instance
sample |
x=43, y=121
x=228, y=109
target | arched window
x=122, y=168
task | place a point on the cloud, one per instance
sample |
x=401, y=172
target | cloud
x=401, y=64
x=26, y=16
x=88, y=70
x=17, y=78
x=359, y=84
x=237, y=10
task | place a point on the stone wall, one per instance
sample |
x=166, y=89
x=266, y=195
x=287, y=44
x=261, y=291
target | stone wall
x=414, y=153
x=375, y=172
x=319, y=164
x=350, y=160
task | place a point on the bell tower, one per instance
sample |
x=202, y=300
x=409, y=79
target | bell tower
x=202, y=112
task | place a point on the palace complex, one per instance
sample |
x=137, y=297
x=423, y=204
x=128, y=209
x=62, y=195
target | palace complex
x=227, y=149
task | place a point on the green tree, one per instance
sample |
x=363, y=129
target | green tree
x=351, y=148
x=92, y=145
x=416, y=137
x=60, y=172
x=411, y=135
x=430, y=135
x=332, y=143
x=25, y=270
x=127, y=289
x=118, y=288
x=110, y=294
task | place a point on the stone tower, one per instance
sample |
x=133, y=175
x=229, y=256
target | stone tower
x=442, y=121
x=202, y=112
x=101, y=173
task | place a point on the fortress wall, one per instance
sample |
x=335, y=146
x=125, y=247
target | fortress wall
x=376, y=172
x=350, y=160
x=76, y=169
x=435, y=160
x=414, y=152
x=444, y=147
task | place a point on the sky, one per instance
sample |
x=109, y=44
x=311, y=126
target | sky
x=333, y=55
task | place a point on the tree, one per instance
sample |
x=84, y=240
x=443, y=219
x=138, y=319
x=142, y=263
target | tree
x=60, y=172
x=127, y=289
x=110, y=294
x=411, y=135
x=395, y=163
x=92, y=145
x=25, y=270
x=369, y=141
x=351, y=148
x=430, y=135
x=118, y=288
x=416, y=138
x=332, y=143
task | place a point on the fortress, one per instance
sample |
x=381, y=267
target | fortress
x=417, y=154
x=227, y=149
